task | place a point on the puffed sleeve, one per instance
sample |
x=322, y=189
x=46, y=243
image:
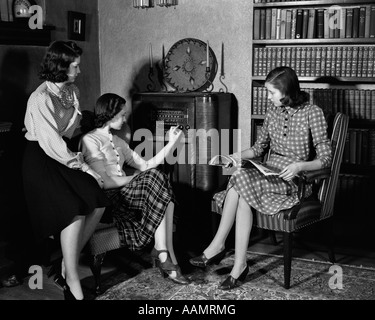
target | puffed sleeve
x=92, y=154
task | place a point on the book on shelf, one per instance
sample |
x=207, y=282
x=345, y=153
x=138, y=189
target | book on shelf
x=305, y=23
x=342, y=23
x=367, y=22
x=278, y=23
x=299, y=23
x=262, y=32
x=311, y=24
x=256, y=34
x=228, y=162
x=319, y=23
x=372, y=22
x=268, y=23
x=355, y=26
x=283, y=24
x=273, y=23
x=288, y=24
x=336, y=32
x=349, y=23
x=362, y=22
x=326, y=24
x=293, y=24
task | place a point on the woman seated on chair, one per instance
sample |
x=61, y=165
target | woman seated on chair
x=142, y=203
x=290, y=123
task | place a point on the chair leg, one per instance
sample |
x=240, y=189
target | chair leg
x=287, y=258
x=96, y=268
x=330, y=240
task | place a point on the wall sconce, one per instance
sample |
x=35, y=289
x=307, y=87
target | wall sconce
x=150, y=3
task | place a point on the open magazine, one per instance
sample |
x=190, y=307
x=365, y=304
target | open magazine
x=228, y=161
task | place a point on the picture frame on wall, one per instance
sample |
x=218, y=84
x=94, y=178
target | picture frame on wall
x=76, y=25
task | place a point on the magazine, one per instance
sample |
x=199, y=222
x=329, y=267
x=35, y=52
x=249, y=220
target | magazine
x=228, y=161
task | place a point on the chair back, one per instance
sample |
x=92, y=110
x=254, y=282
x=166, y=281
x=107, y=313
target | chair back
x=327, y=190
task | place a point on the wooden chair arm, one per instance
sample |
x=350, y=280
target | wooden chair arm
x=310, y=176
x=319, y=174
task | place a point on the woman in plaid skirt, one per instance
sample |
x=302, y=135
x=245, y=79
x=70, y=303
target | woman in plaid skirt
x=142, y=203
x=290, y=127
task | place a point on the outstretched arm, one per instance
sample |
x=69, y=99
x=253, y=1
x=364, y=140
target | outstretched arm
x=174, y=136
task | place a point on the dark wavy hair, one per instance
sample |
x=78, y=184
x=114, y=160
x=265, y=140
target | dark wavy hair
x=286, y=80
x=56, y=61
x=107, y=107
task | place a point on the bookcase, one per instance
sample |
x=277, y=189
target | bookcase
x=331, y=46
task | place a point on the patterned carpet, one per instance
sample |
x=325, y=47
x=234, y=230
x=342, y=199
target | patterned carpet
x=310, y=280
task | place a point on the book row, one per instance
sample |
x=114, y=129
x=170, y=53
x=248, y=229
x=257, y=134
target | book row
x=317, y=61
x=356, y=103
x=314, y=23
x=359, y=147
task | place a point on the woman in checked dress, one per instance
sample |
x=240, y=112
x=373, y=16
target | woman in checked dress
x=290, y=127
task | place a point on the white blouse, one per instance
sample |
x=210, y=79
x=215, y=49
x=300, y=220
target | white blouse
x=47, y=121
x=105, y=152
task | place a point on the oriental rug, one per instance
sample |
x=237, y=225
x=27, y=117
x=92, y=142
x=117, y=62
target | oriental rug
x=310, y=280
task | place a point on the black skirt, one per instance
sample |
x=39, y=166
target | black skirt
x=55, y=194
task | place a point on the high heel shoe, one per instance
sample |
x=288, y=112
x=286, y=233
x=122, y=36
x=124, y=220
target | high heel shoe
x=230, y=282
x=167, y=267
x=202, y=261
x=55, y=271
x=68, y=295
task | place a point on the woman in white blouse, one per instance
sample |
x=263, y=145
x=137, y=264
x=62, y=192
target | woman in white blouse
x=63, y=195
x=143, y=203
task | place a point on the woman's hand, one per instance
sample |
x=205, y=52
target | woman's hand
x=174, y=134
x=290, y=171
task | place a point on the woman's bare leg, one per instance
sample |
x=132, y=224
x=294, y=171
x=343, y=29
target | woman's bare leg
x=226, y=223
x=91, y=221
x=164, y=236
x=70, y=238
x=244, y=223
x=169, y=226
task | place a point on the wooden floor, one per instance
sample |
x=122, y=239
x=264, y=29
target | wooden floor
x=113, y=267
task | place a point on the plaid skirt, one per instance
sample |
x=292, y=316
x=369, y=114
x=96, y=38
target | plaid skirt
x=139, y=207
x=266, y=194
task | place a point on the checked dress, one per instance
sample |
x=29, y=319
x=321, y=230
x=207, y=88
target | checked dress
x=290, y=133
